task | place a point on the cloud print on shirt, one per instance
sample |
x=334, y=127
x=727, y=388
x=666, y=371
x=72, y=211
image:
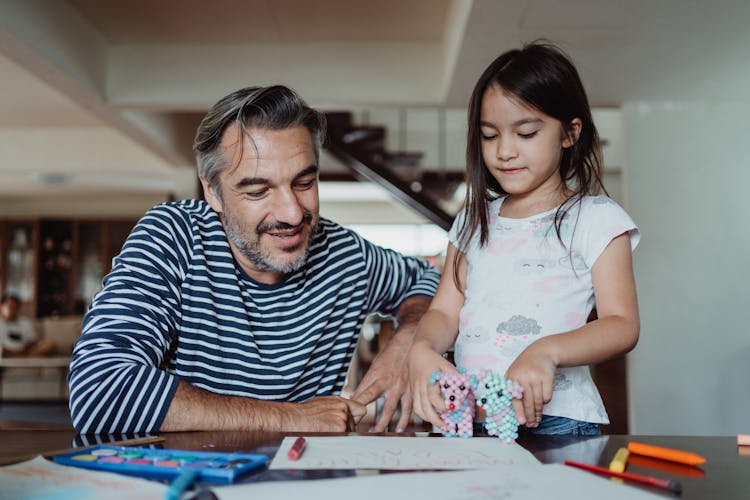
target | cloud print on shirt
x=519, y=325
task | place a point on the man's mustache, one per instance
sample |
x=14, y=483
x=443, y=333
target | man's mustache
x=307, y=218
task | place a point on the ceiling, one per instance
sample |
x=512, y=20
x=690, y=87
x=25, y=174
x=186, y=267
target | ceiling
x=264, y=21
x=105, y=95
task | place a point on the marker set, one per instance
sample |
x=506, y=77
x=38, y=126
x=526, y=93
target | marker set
x=164, y=464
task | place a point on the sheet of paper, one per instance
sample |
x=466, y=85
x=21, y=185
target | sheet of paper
x=521, y=482
x=406, y=453
x=40, y=478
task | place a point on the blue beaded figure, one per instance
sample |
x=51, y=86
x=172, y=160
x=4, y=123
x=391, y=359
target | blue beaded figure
x=494, y=394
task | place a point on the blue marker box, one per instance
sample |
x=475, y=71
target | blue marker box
x=216, y=467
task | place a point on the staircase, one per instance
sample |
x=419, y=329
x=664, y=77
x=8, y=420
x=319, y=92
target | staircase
x=362, y=149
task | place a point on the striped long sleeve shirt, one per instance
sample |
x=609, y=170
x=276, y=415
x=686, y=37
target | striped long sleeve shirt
x=176, y=306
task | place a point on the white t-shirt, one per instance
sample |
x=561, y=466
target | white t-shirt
x=16, y=335
x=524, y=285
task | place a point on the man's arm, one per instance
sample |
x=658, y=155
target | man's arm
x=196, y=409
x=403, y=286
x=387, y=375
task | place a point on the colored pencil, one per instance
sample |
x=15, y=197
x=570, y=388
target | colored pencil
x=666, y=484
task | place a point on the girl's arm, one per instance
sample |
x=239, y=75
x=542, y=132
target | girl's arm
x=436, y=334
x=615, y=332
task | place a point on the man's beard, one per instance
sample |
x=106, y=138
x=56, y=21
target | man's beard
x=251, y=248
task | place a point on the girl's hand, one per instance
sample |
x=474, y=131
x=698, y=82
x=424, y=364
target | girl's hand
x=422, y=363
x=535, y=370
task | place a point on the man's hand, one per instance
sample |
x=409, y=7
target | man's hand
x=323, y=414
x=388, y=375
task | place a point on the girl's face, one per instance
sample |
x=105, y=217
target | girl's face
x=521, y=146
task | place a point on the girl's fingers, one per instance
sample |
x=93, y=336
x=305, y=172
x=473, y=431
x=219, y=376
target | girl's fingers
x=518, y=409
x=529, y=403
x=435, y=405
x=423, y=408
x=538, y=403
x=436, y=421
x=546, y=398
x=548, y=392
x=436, y=402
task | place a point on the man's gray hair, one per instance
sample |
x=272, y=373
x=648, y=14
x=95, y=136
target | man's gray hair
x=268, y=108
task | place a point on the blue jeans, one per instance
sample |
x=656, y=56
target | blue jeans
x=552, y=426
x=559, y=426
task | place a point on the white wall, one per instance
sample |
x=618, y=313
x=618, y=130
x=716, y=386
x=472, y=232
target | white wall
x=688, y=169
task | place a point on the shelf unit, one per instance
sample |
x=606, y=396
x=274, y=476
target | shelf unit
x=56, y=266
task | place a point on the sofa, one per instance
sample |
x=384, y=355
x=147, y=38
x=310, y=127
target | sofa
x=42, y=378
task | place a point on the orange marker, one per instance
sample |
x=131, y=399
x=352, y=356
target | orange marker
x=679, y=456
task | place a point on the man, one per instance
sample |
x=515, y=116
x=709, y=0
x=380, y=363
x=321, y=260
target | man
x=242, y=312
x=17, y=334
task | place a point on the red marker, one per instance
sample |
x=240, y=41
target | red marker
x=672, y=486
x=297, y=448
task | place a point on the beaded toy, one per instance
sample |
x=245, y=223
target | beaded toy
x=455, y=389
x=494, y=395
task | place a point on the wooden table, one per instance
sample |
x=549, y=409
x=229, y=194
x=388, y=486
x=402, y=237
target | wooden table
x=725, y=476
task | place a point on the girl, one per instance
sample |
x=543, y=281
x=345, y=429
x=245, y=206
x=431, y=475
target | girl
x=533, y=251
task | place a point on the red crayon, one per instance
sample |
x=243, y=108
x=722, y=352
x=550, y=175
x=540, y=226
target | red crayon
x=297, y=448
x=672, y=486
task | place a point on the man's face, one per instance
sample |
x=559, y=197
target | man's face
x=268, y=199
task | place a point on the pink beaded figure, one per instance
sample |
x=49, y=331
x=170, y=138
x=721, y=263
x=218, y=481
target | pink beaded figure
x=455, y=388
x=494, y=395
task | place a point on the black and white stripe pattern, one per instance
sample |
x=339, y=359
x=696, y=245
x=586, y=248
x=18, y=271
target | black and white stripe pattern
x=175, y=306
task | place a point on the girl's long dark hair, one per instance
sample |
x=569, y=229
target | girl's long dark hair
x=542, y=76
